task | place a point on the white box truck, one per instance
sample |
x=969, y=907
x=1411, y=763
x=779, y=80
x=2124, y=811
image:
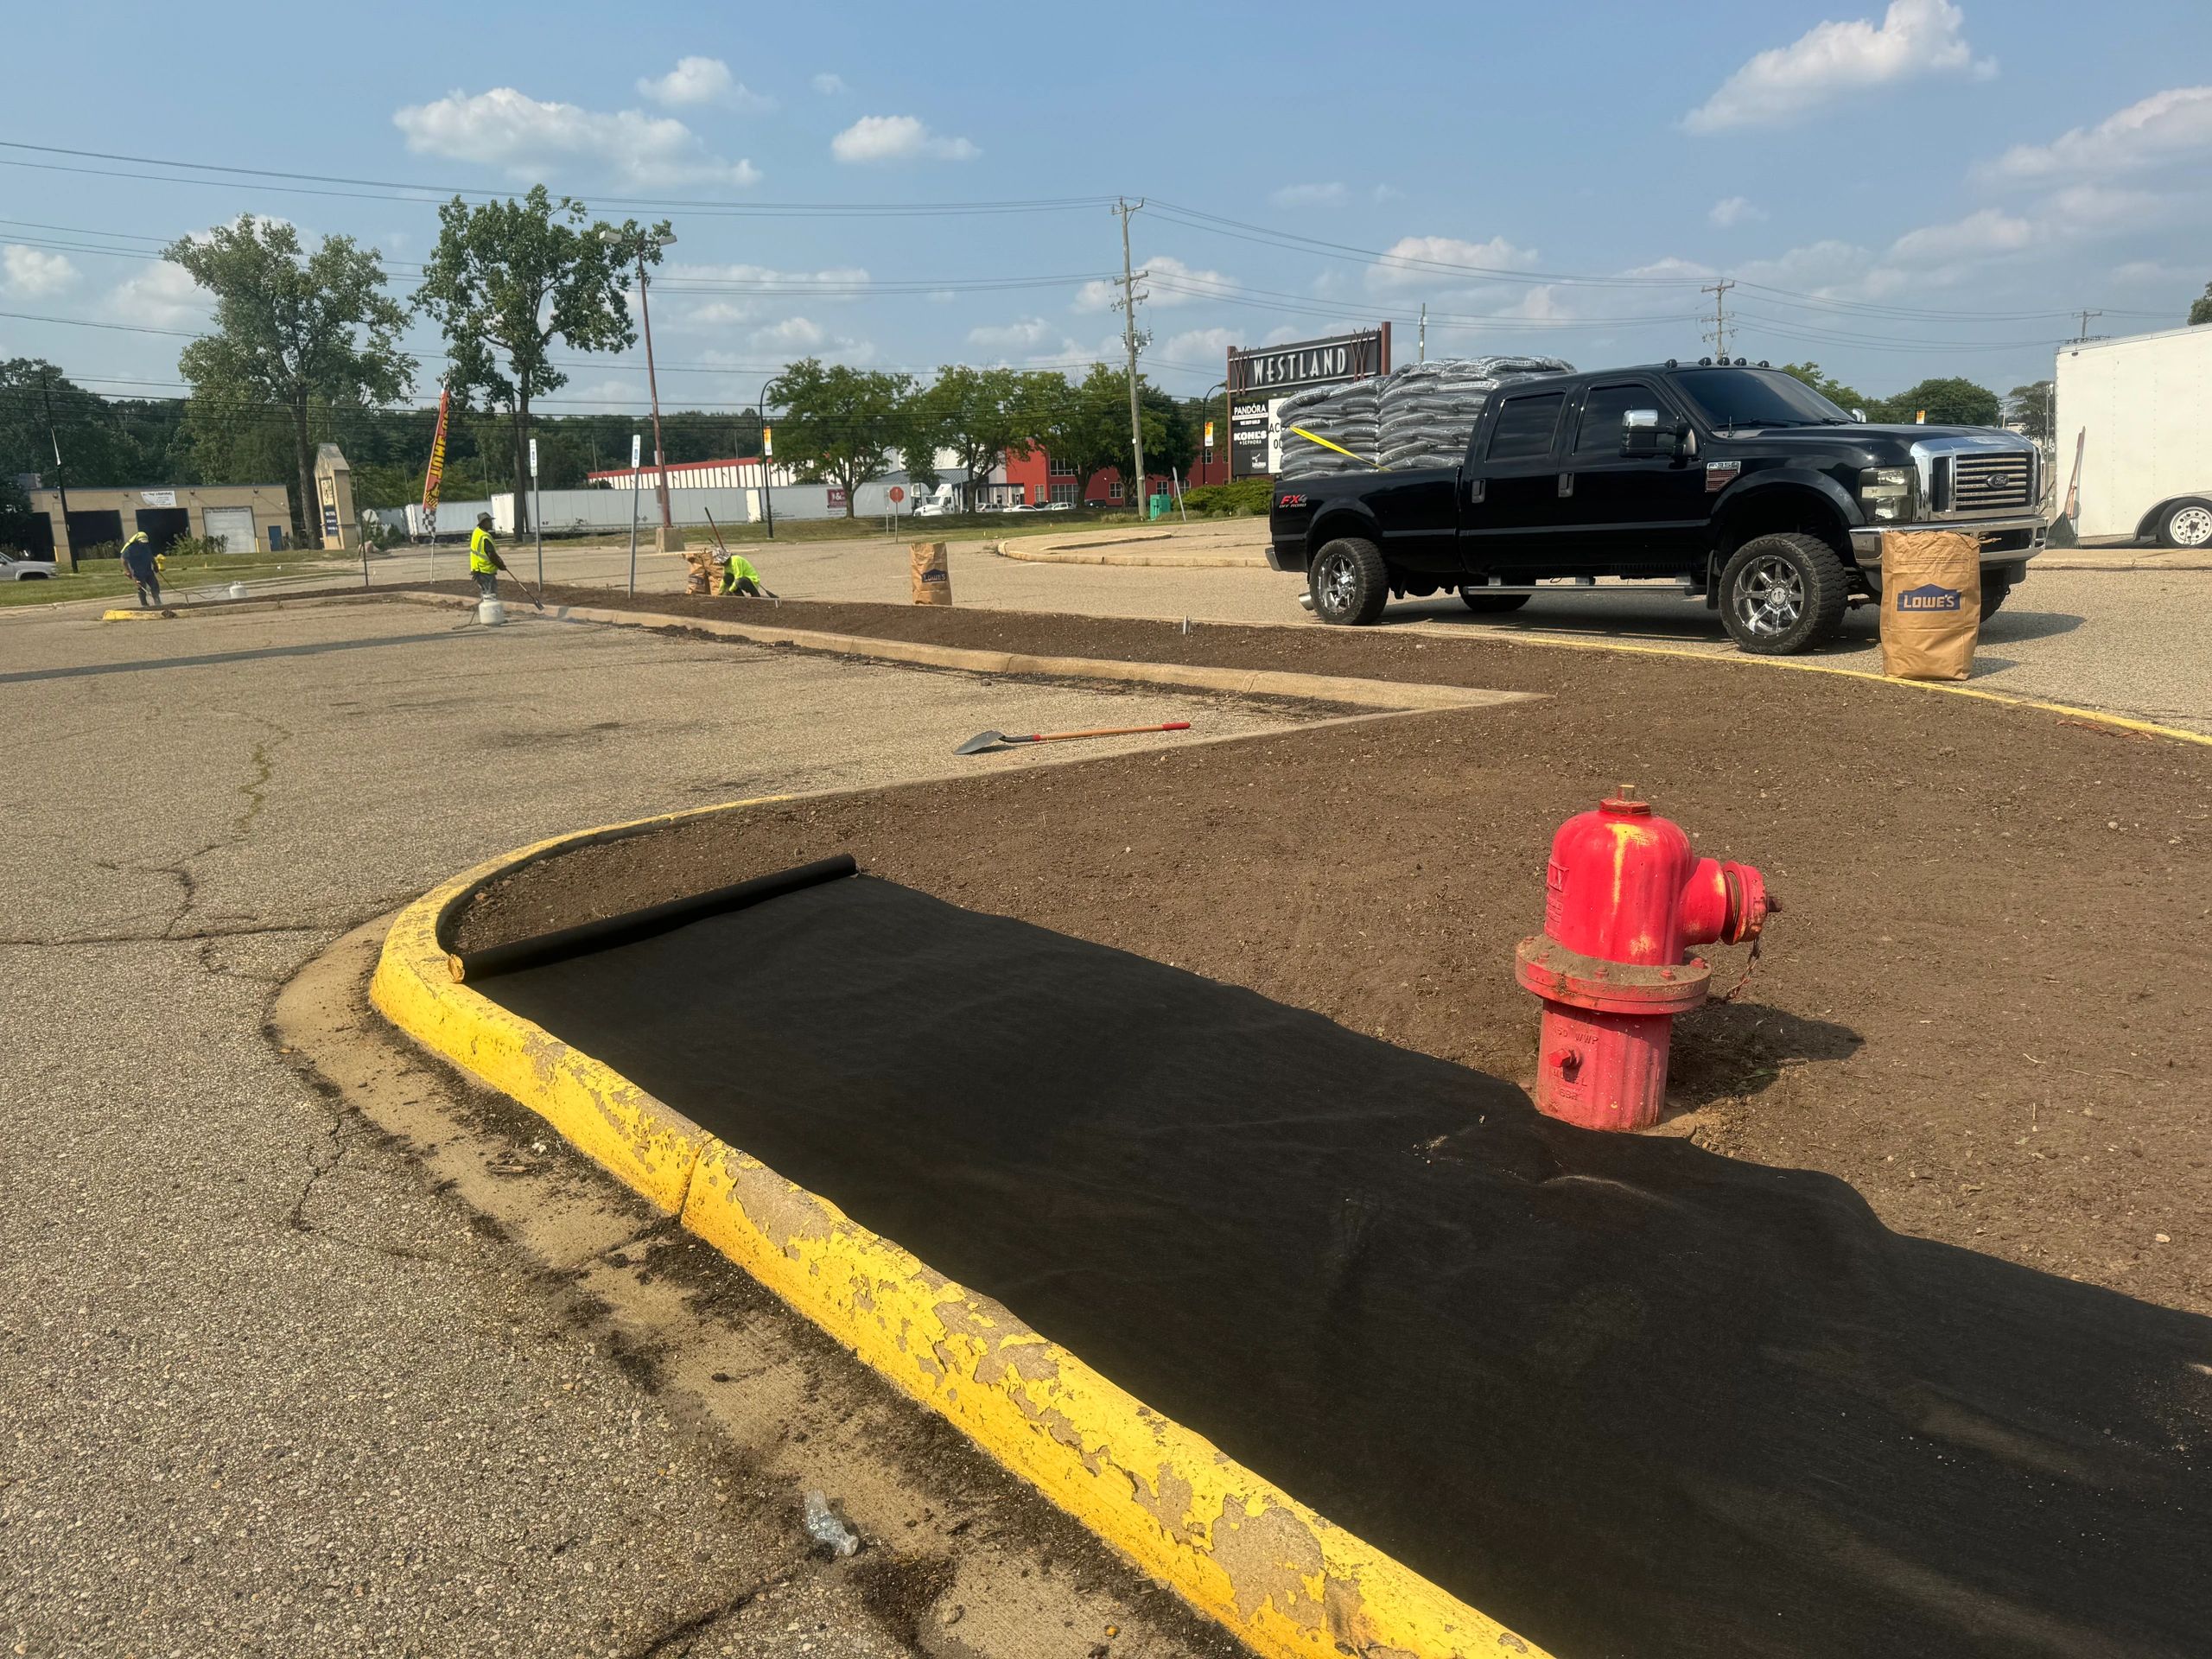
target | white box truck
x=2137, y=412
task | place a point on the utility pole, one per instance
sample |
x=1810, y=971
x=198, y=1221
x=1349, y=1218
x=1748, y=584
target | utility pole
x=2084, y=334
x=1424, y=331
x=667, y=535
x=61, y=472
x=1719, y=334
x=1129, y=298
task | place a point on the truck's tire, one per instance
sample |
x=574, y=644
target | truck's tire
x=1349, y=581
x=1784, y=593
x=1484, y=604
x=2186, y=523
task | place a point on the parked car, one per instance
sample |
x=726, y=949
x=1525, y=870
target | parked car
x=1737, y=483
x=933, y=508
x=21, y=567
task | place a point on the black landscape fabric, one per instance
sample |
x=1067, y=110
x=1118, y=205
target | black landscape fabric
x=1625, y=1396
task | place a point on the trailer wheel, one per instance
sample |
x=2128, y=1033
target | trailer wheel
x=1484, y=604
x=1350, y=583
x=1784, y=593
x=2186, y=523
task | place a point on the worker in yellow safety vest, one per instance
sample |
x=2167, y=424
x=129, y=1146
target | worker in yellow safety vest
x=740, y=577
x=484, y=560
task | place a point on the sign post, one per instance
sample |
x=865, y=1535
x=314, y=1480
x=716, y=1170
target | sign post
x=897, y=496
x=636, y=444
x=767, y=471
x=536, y=518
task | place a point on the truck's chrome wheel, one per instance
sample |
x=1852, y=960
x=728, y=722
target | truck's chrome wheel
x=1769, y=596
x=1339, y=582
x=2190, y=527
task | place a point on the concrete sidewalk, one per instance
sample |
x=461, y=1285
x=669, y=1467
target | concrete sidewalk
x=263, y=1387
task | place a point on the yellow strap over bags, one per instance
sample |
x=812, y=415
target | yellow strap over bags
x=1931, y=603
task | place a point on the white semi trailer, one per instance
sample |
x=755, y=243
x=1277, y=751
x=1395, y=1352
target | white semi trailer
x=2137, y=413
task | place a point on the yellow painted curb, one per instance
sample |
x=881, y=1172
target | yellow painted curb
x=1272, y=1570
x=136, y=613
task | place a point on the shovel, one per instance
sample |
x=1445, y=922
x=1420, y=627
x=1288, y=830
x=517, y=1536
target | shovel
x=983, y=742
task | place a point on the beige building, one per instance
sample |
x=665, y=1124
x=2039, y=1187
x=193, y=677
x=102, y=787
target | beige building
x=242, y=515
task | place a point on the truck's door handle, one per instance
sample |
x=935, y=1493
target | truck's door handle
x=1475, y=491
x=1566, y=485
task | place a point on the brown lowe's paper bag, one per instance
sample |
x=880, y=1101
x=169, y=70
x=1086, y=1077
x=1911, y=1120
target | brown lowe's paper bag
x=1931, y=603
x=932, y=573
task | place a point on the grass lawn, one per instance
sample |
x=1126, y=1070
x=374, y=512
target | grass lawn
x=185, y=578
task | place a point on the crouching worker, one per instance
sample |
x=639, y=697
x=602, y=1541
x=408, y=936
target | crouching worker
x=484, y=560
x=740, y=577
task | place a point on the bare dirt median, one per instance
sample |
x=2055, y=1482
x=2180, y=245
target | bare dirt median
x=1985, y=1006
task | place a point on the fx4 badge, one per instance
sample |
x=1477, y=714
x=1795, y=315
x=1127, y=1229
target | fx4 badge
x=1290, y=501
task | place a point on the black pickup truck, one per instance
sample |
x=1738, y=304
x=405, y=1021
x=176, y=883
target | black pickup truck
x=1733, y=481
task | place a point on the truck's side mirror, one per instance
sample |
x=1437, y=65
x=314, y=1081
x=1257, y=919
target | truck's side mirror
x=1860, y=416
x=1640, y=434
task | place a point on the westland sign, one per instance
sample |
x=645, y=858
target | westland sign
x=1309, y=363
x=1259, y=380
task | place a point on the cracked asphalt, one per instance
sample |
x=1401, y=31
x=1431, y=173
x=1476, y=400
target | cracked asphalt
x=263, y=1387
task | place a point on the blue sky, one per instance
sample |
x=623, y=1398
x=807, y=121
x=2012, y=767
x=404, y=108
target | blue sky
x=1901, y=188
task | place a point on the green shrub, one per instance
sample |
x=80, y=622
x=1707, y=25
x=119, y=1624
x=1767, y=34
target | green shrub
x=1242, y=495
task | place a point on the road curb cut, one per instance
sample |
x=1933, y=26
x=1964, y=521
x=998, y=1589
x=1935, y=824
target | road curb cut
x=1239, y=1549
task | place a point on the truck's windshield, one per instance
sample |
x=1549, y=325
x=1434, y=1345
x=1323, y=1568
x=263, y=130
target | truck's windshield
x=1732, y=398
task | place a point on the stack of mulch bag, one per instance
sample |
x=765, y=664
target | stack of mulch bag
x=1416, y=416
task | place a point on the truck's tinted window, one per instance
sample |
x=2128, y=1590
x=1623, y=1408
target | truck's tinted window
x=1524, y=426
x=1602, y=408
x=1730, y=398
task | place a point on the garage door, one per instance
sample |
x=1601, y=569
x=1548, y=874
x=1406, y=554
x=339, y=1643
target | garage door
x=232, y=527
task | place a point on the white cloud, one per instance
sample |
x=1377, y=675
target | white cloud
x=1310, y=195
x=529, y=137
x=161, y=296
x=897, y=138
x=1027, y=334
x=1282, y=334
x=1201, y=345
x=1732, y=210
x=716, y=314
x=1406, y=264
x=1387, y=193
x=791, y=334
x=828, y=85
x=696, y=81
x=34, y=274
x=2162, y=127
x=1834, y=61
x=1168, y=280
x=1990, y=231
x=766, y=278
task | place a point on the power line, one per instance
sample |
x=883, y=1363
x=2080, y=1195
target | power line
x=1719, y=335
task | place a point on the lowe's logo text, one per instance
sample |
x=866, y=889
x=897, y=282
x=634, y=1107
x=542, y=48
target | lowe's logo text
x=1928, y=597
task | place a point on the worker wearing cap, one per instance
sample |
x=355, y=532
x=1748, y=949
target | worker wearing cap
x=484, y=560
x=740, y=577
x=138, y=564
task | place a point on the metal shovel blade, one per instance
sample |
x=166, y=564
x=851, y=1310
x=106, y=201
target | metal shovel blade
x=984, y=740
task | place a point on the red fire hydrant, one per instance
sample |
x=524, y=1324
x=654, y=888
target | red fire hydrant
x=1625, y=897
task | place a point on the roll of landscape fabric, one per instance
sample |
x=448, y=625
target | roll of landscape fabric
x=1931, y=603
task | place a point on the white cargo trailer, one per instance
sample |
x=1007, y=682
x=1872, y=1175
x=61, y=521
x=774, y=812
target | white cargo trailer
x=2137, y=412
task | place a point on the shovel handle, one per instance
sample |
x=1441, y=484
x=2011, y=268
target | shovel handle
x=1109, y=731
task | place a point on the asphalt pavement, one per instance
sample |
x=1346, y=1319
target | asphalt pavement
x=2132, y=641
x=265, y=1388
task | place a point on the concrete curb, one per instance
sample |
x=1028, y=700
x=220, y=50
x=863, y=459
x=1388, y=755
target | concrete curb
x=1185, y=561
x=2121, y=561
x=1241, y=1550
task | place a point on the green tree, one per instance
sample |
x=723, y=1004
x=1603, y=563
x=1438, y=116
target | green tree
x=2034, y=408
x=2200, y=309
x=1170, y=440
x=1844, y=398
x=839, y=422
x=984, y=415
x=96, y=449
x=508, y=278
x=1948, y=401
x=292, y=328
x=1086, y=426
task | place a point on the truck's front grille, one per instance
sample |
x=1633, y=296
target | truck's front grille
x=1991, y=483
